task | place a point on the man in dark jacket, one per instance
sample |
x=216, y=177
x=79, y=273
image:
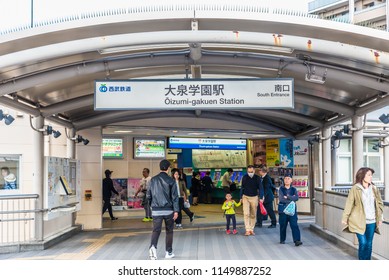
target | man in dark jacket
x=268, y=198
x=250, y=192
x=163, y=198
x=107, y=192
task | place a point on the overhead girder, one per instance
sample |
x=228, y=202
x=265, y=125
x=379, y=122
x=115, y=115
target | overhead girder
x=160, y=59
x=114, y=117
x=331, y=48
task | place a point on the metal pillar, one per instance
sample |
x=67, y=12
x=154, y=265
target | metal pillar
x=386, y=168
x=327, y=174
x=326, y=152
x=333, y=166
x=357, y=144
x=38, y=166
x=71, y=145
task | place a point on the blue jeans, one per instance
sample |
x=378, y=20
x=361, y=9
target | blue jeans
x=366, y=242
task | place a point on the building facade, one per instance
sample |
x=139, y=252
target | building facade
x=368, y=13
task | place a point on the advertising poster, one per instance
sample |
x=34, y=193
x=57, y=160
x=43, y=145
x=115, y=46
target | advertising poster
x=300, y=170
x=219, y=158
x=119, y=202
x=133, y=186
x=272, y=152
x=286, y=153
x=259, y=148
x=112, y=148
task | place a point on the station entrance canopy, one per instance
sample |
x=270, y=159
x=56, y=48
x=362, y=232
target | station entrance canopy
x=338, y=70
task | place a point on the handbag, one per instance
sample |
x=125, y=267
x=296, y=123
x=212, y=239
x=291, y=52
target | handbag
x=186, y=204
x=290, y=209
x=262, y=208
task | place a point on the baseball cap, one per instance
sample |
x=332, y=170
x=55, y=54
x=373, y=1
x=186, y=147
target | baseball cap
x=108, y=172
x=164, y=164
x=288, y=175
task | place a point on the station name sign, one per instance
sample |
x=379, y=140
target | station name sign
x=207, y=143
x=194, y=94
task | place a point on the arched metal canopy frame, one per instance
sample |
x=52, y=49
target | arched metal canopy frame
x=229, y=52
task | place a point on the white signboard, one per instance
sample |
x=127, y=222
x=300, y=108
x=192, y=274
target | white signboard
x=194, y=94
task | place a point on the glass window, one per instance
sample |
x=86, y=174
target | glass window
x=370, y=144
x=345, y=146
x=9, y=166
x=344, y=170
x=374, y=162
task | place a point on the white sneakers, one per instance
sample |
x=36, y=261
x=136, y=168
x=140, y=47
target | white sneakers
x=153, y=253
x=169, y=255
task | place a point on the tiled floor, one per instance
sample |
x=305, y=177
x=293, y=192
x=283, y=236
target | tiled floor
x=204, y=239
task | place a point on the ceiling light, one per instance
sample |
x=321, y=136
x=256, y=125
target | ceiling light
x=195, y=133
x=249, y=47
x=142, y=48
x=123, y=131
x=367, y=102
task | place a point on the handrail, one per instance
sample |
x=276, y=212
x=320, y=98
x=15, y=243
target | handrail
x=18, y=196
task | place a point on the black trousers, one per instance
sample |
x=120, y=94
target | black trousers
x=157, y=227
x=107, y=205
x=182, y=208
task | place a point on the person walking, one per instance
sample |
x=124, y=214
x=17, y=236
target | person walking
x=363, y=211
x=196, y=187
x=182, y=193
x=141, y=192
x=108, y=189
x=229, y=211
x=163, y=198
x=287, y=194
x=267, y=199
x=208, y=187
x=226, y=180
x=250, y=190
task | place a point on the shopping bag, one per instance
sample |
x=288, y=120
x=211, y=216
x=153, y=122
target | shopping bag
x=262, y=208
x=290, y=209
x=186, y=204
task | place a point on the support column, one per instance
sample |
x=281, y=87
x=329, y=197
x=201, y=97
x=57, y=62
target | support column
x=351, y=8
x=38, y=166
x=327, y=174
x=386, y=168
x=326, y=151
x=333, y=166
x=71, y=145
x=357, y=144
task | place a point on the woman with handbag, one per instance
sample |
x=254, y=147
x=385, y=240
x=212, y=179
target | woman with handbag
x=362, y=214
x=287, y=197
x=182, y=194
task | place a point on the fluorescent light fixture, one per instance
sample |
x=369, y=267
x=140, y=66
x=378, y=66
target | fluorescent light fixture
x=332, y=118
x=249, y=47
x=315, y=79
x=123, y=131
x=195, y=133
x=367, y=102
x=142, y=48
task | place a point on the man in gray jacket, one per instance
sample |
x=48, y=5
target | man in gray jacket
x=163, y=198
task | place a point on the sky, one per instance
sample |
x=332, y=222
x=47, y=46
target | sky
x=18, y=12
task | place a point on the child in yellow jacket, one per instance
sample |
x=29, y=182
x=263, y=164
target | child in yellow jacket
x=229, y=210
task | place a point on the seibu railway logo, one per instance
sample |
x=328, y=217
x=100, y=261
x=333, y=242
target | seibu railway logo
x=114, y=88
